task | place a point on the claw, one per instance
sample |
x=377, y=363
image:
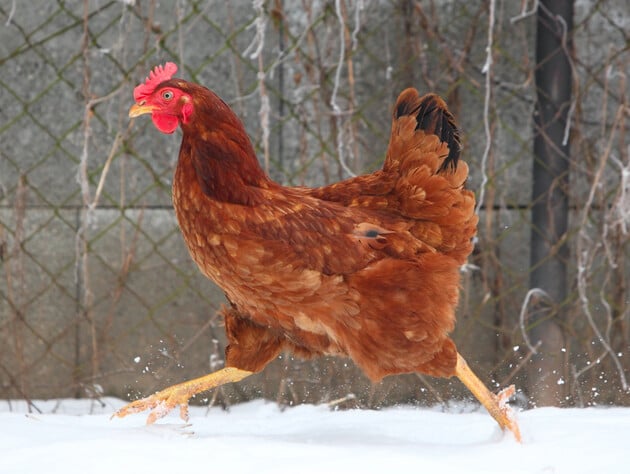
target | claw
x=183, y=412
x=504, y=395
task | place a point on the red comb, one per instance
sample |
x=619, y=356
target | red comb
x=158, y=75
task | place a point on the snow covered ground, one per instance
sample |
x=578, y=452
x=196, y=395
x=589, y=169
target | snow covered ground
x=77, y=436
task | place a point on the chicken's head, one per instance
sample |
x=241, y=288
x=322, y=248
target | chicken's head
x=160, y=97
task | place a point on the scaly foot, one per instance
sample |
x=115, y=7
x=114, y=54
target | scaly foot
x=160, y=404
x=178, y=395
x=495, y=404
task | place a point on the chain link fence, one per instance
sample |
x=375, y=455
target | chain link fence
x=97, y=292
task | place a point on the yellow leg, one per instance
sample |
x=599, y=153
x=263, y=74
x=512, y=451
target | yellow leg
x=495, y=404
x=164, y=401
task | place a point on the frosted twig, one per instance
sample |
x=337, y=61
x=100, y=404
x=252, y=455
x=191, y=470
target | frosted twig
x=567, y=127
x=525, y=13
x=359, y=6
x=82, y=173
x=620, y=210
x=487, y=70
x=583, y=250
x=81, y=254
x=333, y=99
x=531, y=293
x=286, y=54
x=618, y=215
x=606, y=306
x=11, y=13
x=108, y=162
x=342, y=53
x=259, y=42
x=576, y=386
x=621, y=207
x=259, y=23
x=574, y=75
x=388, y=58
x=265, y=108
x=179, y=11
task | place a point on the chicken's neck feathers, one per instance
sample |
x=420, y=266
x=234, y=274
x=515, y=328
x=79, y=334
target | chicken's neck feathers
x=217, y=147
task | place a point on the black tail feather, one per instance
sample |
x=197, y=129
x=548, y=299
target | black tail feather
x=432, y=116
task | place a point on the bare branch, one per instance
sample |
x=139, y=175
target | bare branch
x=487, y=70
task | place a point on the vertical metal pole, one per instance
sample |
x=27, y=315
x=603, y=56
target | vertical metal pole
x=549, y=252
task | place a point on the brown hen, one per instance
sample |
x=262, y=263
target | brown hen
x=367, y=268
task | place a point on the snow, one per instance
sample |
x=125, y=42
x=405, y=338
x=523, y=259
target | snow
x=78, y=436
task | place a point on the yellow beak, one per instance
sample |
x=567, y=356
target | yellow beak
x=140, y=109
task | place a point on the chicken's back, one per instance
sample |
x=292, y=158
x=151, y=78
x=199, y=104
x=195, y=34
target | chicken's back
x=422, y=180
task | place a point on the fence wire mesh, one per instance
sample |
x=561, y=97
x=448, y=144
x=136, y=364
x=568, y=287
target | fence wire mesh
x=98, y=294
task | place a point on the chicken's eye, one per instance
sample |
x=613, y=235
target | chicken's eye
x=167, y=95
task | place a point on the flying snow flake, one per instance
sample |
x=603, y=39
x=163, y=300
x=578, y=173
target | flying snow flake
x=136, y=359
x=560, y=381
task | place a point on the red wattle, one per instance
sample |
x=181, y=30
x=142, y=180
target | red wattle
x=165, y=123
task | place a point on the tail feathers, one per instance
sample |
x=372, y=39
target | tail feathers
x=432, y=116
x=424, y=151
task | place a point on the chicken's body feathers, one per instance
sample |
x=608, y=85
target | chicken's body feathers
x=364, y=268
